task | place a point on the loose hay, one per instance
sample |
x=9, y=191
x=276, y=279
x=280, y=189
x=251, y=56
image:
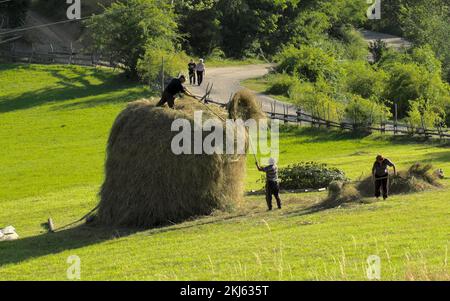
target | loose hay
x=244, y=106
x=146, y=185
x=418, y=177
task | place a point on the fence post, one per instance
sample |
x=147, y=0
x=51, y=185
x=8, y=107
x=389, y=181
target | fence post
x=299, y=117
x=396, y=118
x=162, y=75
x=30, y=59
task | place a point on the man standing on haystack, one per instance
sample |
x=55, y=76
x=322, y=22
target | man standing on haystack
x=175, y=87
x=380, y=173
x=272, y=186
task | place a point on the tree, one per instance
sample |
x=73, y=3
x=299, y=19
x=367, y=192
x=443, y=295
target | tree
x=125, y=29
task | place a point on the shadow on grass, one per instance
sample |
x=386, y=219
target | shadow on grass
x=75, y=86
x=28, y=248
x=54, y=243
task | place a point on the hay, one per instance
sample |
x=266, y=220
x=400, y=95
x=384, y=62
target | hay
x=146, y=185
x=244, y=106
x=340, y=193
x=419, y=177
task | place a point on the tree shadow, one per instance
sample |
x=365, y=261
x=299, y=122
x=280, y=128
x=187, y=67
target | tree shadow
x=74, y=86
x=317, y=135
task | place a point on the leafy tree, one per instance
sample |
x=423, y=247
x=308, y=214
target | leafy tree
x=362, y=79
x=363, y=112
x=199, y=25
x=308, y=63
x=124, y=31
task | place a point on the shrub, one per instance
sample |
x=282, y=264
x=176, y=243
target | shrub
x=281, y=84
x=308, y=63
x=316, y=98
x=149, y=67
x=306, y=175
x=362, y=79
x=364, y=112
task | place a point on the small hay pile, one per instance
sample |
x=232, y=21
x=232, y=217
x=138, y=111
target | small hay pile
x=147, y=185
x=419, y=177
x=244, y=106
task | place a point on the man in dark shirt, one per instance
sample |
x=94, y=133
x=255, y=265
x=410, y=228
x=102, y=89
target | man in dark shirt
x=192, y=68
x=175, y=87
x=272, y=186
x=380, y=173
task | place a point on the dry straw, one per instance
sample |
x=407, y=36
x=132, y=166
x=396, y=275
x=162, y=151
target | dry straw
x=146, y=185
x=418, y=177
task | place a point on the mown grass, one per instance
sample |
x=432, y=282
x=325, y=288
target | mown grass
x=54, y=122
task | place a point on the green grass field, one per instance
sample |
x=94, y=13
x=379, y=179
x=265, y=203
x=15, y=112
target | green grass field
x=54, y=123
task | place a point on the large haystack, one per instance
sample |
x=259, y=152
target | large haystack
x=147, y=185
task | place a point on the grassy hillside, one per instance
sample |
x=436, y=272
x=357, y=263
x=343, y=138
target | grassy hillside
x=54, y=122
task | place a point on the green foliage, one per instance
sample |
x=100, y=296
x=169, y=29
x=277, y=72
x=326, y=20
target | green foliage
x=316, y=98
x=150, y=66
x=281, y=84
x=408, y=82
x=424, y=114
x=378, y=48
x=363, y=112
x=307, y=175
x=125, y=29
x=362, y=79
x=308, y=63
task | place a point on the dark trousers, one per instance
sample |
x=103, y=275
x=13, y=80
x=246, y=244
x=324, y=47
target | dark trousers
x=192, y=77
x=381, y=183
x=167, y=98
x=273, y=189
x=199, y=77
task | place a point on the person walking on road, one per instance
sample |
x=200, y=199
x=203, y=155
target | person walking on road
x=380, y=173
x=201, y=71
x=192, y=66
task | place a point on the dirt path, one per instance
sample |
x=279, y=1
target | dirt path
x=227, y=81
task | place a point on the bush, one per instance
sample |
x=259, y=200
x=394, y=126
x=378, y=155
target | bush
x=306, y=175
x=364, y=80
x=364, y=112
x=308, y=63
x=317, y=99
x=281, y=84
x=149, y=67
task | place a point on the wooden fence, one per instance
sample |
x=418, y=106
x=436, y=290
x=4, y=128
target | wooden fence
x=70, y=57
x=301, y=118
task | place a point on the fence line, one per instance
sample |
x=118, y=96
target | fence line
x=395, y=127
x=70, y=57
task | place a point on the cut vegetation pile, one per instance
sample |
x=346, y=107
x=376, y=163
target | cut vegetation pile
x=147, y=185
x=419, y=177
